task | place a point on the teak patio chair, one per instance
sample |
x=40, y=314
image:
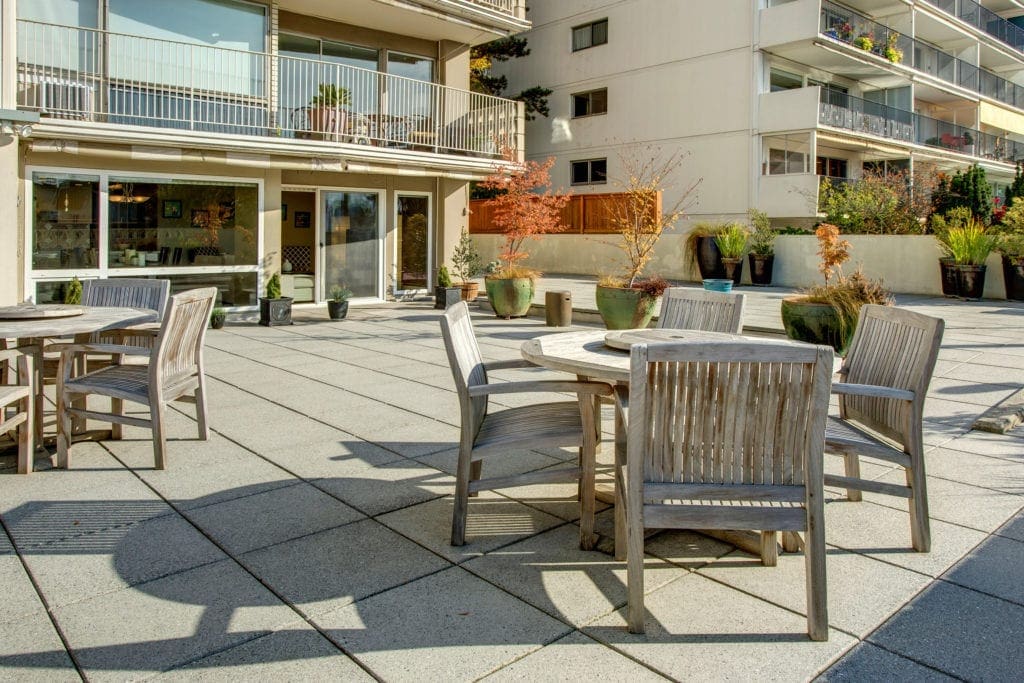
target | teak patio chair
x=684, y=308
x=726, y=435
x=126, y=292
x=885, y=377
x=19, y=397
x=174, y=372
x=485, y=433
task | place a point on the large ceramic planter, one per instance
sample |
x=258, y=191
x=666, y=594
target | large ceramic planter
x=972, y=281
x=950, y=277
x=337, y=310
x=622, y=308
x=1013, y=276
x=761, y=269
x=815, y=323
x=275, y=312
x=510, y=297
x=709, y=259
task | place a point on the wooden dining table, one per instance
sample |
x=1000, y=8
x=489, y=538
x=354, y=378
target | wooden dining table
x=604, y=355
x=32, y=324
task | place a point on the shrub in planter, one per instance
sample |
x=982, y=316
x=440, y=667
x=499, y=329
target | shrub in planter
x=444, y=293
x=73, y=292
x=337, y=305
x=703, y=252
x=761, y=248
x=466, y=263
x=217, y=318
x=940, y=226
x=732, y=242
x=1010, y=245
x=970, y=246
x=274, y=308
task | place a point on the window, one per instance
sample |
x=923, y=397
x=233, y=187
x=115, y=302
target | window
x=590, y=103
x=833, y=168
x=589, y=35
x=783, y=80
x=589, y=172
x=781, y=161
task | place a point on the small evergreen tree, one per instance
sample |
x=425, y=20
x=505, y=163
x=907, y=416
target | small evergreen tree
x=966, y=188
x=1015, y=189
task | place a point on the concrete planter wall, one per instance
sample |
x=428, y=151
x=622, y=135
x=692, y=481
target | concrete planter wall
x=909, y=264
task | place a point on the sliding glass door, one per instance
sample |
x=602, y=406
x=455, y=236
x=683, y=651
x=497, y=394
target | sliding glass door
x=413, y=233
x=352, y=241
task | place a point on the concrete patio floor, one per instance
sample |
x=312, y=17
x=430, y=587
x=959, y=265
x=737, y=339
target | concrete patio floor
x=308, y=538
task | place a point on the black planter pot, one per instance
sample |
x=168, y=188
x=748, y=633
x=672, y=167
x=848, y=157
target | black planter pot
x=337, y=309
x=709, y=259
x=446, y=296
x=1013, y=276
x=761, y=269
x=950, y=277
x=733, y=270
x=972, y=281
x=275, y=312
x=217, y=320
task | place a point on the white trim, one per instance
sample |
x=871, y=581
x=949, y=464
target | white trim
x=103, y=269
x=321, y=233
x=430, y=239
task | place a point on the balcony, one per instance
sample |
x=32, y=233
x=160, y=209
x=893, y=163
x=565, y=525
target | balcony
x=70, y=73
x=983, y=19
x=805, y=108
x=798, y=30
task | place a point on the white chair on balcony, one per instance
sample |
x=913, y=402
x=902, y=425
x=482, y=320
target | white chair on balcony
x=685, y=308
x=174, y=371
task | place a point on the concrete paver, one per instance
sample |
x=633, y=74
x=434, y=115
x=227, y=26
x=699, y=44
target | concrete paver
x=308, y=539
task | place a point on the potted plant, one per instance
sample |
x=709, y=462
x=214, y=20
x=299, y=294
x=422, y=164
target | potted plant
x=732, y=242
x=970, y=246
x=73, y=292
x=466, y=263
x=865, y=41
x=893, y=53
x=702, y=250
x=444, y=293
x=761, y=248
x=1010, y=245
x=520, y=213
x=217, y=318
x=337, y=305
x=274, y=308
x=940, y=226
x=827, y=314
x=326, y=113
x=627, y=301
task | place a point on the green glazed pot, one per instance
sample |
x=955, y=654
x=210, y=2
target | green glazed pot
x=510, y=297
x=622, y=308
x=815, y=323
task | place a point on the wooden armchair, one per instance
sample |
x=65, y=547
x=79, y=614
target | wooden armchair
x=725, y=435
x=20, y=398
x=885, y=377
x=684, y=308
x=174, y=372
x=485, y=433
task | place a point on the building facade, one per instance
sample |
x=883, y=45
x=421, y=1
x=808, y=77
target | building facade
x=215, y=142
x=770, y=96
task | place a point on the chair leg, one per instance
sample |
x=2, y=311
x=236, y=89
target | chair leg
x=769, y=548
x=588, y=467
x=26, y=431
x=852, y=461
x=156, y=416
x=620, y=486
x=116, y=428
x=201, y=415
x=635, y=612
x=920, y=531
x=814, y=563
x=63, y=429
x=476, y=470
x=791, y=542
x=461, y=503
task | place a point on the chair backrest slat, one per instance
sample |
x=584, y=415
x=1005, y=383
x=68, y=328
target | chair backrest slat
x=179, y=344
x=466, y=362
x=896, y=348
x=728, y=412
x=685, y=308
x=127, y=292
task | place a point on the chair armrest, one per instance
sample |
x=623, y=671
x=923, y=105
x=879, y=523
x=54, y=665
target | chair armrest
x=552, y=385
x=871, y=391
x=70, y=350
x=512, y=364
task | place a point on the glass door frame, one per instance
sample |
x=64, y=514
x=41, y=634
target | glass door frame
x=396, y=265
x=320, y=225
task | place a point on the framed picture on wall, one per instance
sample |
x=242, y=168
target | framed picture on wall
x=284, y=212
x=172, y=208
x=302, y=219
x=200, y=218
x=226, y=211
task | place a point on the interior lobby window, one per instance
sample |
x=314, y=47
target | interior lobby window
x=65, y=221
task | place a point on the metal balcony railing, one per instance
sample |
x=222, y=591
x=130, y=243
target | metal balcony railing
x=840, y=110
x=506, y=6
x=87, y=74
x=983, y=19
x=845, y=25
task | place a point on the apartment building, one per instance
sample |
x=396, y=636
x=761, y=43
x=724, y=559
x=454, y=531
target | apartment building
x=215, y=142
x=770, y=96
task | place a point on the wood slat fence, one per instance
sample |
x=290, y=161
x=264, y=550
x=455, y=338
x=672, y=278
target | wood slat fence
x=585, y=214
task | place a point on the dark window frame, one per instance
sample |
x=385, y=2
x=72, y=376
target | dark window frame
x=589, y=106
x=601, y=26
x=592, y=176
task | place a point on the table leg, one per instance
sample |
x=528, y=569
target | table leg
x=620, y=486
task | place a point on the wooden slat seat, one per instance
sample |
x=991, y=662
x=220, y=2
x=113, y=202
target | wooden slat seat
x=486, y=433
x=173, y=371
x=726, y=435
x=881, y=406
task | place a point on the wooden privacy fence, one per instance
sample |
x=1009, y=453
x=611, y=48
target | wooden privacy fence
x=585, y=214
